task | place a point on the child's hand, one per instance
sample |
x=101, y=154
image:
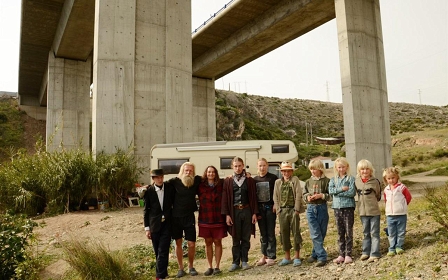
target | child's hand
x=345, y=188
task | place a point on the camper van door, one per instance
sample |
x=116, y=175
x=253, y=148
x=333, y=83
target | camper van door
x=251, y=162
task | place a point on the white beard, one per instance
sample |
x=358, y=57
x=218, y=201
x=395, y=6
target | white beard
x=188, y=181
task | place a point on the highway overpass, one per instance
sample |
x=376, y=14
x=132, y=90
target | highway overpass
x=154, y=81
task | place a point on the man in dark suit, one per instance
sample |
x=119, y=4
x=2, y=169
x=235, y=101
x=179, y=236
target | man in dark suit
x=157, y=216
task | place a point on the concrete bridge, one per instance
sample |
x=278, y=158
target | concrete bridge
x=154, y=81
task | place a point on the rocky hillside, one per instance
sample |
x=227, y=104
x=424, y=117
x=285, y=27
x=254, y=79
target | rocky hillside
x=243, y=116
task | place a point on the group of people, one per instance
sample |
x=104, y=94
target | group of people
x=234, y=205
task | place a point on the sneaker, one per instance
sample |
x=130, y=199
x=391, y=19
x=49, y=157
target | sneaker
x=270, y=262
x=216, y=271
x=180, y=274
x=192, y=271
x=234, y=267
x=399, y=251
x=320, y=263
x=284, y=262
x=245, y=265
x=208, y=272
x=373, y=259
x=348, y=259
x=364, y=257
x=261, y=262
x=339, y=259
x=311, y=259
x=391, y=253
x=297, y=262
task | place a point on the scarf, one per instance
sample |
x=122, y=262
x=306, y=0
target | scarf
x=239, y=178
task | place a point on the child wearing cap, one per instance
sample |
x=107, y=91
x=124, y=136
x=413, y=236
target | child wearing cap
x=288, y=204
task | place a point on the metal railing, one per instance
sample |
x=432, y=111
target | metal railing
x=212, y=17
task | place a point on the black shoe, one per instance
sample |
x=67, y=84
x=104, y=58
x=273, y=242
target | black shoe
x=180, y=274
x=216, y=271
x=311, y=260
x=192, y=271
x=209, y=272
x=320, y=263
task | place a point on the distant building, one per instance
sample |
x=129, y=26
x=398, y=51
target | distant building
x=328, y=163
x=330, y=140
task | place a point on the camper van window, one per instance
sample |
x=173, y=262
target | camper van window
x=280, y=149
x=171, y=166
x=274, y=170
x=226, y=163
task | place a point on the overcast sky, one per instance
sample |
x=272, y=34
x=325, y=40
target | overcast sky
x=415, y=35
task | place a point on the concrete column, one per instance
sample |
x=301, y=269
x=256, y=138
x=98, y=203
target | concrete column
x=204, y=112
x=68, y=103
x=364, y=89
x=142, y=75
x=113, y=75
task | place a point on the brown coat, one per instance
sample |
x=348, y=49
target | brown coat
x=227, y=201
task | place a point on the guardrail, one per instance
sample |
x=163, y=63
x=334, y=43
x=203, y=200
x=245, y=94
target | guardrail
x=213, y=16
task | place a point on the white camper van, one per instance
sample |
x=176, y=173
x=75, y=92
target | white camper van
x=170, y=157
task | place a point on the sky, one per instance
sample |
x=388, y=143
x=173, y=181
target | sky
x=415, y=37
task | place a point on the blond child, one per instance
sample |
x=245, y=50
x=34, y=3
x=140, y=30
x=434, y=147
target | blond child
x=288, y=204
x=397, y=198
x=369, y=193
x=316, y=196
x=342, y=189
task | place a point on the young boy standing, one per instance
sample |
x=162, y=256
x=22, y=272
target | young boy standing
x=288, y=204
x=316, y=196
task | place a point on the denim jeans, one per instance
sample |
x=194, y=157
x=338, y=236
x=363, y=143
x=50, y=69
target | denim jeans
x=396, y=225
x=317, y=215
x=371, y=231
x=266, y=225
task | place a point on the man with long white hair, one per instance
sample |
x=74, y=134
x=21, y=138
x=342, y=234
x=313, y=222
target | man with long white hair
x=184, y=221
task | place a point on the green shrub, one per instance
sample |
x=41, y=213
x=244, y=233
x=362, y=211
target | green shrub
x=440, y=172
x=439, y=153
x=438, y=208
x=62, y=181
x=303, y=173
x=16, y=234
x=94, y=262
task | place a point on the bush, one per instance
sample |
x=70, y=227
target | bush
x=16, y=233
x=62, y=181
x=438, y=199
x=303, y=173
x=94, y=262
x=439, y=153
x=440, y=172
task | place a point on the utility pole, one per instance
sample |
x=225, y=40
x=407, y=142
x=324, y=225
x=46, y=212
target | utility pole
x=311, y=132
x=328, y=93
x=420, y=96
x=306, y=133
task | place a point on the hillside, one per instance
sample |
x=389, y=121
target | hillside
x=418, y=131
x=243, y=116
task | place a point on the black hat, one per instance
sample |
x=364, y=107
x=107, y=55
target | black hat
x=156, y=172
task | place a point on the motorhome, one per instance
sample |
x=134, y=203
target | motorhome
x=170, y=157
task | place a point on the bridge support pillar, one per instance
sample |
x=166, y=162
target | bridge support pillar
x=68, y=103
x=364, y=89
x=204, y=113
x=142, y=75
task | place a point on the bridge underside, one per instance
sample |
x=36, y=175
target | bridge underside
x=154, y=81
